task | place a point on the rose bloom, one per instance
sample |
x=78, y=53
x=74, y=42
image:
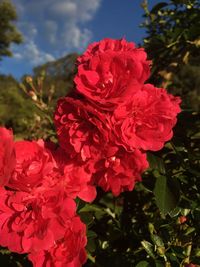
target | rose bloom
x=110, y=71
x=31, y=222
x=120, y=172
x=77, y=182
x=7, y=155
x=33, y=163
x=81, y=128
x=146, y=120
x=68, y=251
x=71, y=175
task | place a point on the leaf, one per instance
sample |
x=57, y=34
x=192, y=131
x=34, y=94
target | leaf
x=91, y=245
x=90, y=208
x=158, y=7
x=159, y=264
x=156, y=163
x=143, y=264
x=91, y=234
x=175, y=212
x=157, y=240
x=86, y=217
x=97, y=211
x=149, y=248
x=5, y=251
x=167, y=195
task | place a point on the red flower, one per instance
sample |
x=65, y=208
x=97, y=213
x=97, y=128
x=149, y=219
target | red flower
x=33, y=222
x=74, y=176
x=33, y=163
x=110, y=71
x=77, y=182
x=68, y=251
x=119, y=172
x=81, y=129
x=146, y=120
x=7, y=155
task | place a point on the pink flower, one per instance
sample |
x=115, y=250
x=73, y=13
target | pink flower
x=68, y=251
x=110, y=71
x=120, y=172
x=33, y=163
x=7, y=156
x=33, y=222
x=146, y=120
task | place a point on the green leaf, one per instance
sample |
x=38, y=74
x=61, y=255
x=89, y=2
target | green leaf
x=91, y=245
x=5, y=251
x=143, y=264
x=86, y=217
x=175, y=212
x=159, y=264
x=156, y=163
x=167, y=195
x=91, y=234
x=149, y=248
x=157, y=240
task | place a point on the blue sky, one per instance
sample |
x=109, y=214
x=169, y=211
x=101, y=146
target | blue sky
x=53, y=28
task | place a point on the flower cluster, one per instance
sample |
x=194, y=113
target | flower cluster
x=104, y=129
x=113, y=117
x=37, y=207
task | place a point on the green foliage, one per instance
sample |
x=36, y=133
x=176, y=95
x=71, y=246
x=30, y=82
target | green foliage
x=173, y=42
x=16, y=110
x=58, y=75
x=8, y=31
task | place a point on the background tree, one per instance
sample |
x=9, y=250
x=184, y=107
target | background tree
x=8, y=31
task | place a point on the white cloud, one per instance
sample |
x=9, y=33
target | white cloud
x=65, y=8
x=75, y=37
x=32, y=54
x=18, y=56
x=54, y=27
x=87, y=9
x=29, y=29
x=51, y=28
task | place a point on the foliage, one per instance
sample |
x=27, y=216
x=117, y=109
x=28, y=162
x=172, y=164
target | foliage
x=16, y=110
x=8, y=32
x=27, y=107
x=58, y=76
x=173, y=43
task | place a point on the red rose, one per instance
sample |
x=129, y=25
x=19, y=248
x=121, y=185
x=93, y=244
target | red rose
x=68, y=251
x=120, y=171
x=7, y=155
x=33, y=163
x=77, y=182
x=81, y=129
x=146, y=120
x=110, y=71
x=71, y=175
x=33, y=222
